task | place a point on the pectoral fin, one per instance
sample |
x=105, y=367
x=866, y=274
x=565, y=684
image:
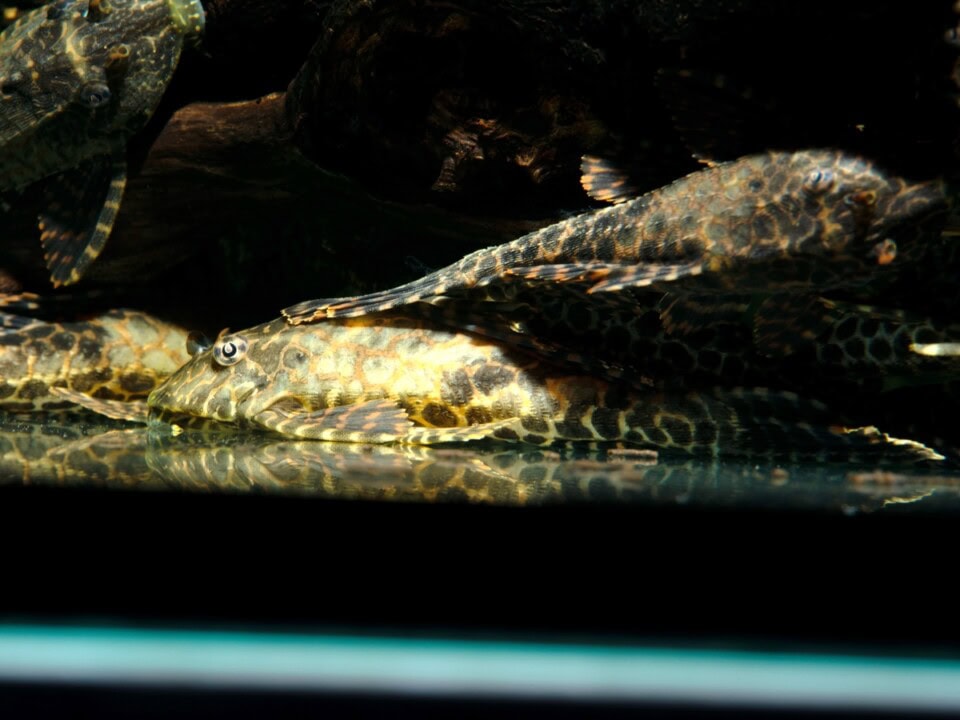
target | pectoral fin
x=80, y=209
x=562, y=272
x=130, y=410
x=374, y=421
x=605, y=277
x=482, y=431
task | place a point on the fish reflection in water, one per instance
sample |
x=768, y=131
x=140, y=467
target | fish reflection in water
x=33, y=452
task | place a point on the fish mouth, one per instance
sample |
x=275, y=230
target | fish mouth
x=196, y=403
x=175, y=422
x=165, y=417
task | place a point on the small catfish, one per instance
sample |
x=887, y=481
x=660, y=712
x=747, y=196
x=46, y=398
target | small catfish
x=78, y=78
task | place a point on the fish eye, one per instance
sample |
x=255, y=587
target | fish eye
x=818, y=181
x=93, y=96
x=230, y=350
x=197, y=343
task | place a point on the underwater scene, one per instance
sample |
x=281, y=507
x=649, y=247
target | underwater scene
x=509, y=253
x=78, y=453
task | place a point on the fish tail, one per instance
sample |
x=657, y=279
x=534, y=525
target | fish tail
x=586, y=237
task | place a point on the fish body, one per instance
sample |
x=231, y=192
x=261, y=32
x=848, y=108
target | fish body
x=119, y=355
x=397, y=379
x=136, y=458
x=841, y=341
x=814, y=349
x=775, y=222
x=78, y=78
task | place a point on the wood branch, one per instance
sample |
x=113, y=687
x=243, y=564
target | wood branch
x=227, y=209
x=454, y=125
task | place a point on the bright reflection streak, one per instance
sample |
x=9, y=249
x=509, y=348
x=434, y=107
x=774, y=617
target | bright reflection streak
x=451, y=668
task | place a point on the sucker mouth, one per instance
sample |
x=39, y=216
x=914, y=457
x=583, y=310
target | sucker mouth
x=176, y=422
x=168, y=417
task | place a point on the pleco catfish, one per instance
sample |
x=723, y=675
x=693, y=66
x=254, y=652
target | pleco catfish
x=77, y=80
x=397, y=379
x=118, y=355
x=777, y=222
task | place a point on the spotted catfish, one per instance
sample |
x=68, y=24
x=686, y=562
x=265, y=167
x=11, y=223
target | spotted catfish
x=119, y=355
x=137, y=458
x=846, y=343
x=775, y=222
x=397, y=379
x=870, y=361
x=77, y=79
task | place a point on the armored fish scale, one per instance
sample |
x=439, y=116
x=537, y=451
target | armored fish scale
x=395, y=379
x=776, y=222
x=138, y=458
x=77, y=80
x=843, y=341
x=119, y=355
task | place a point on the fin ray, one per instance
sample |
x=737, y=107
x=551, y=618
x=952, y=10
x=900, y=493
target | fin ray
x=603, y=181
x=435, y=436
x=374, y=421
x=130, y=410
x=783, y=422
x=81, y=207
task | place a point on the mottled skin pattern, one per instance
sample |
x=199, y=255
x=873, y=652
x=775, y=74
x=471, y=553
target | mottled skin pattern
x=391, y=379
x=775, y=222
x=39, y=454
x=406, y=474
x=77, y=79
x=866, y=339
x=120, y=355
x=846, y=342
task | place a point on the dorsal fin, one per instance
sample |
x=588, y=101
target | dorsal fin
x=604, y=181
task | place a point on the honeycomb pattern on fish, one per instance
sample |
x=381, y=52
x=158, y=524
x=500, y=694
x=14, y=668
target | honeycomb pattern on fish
x=78, y=78
x=194, y=462
x=777, y=222
x=397, y=379
x=119, y=355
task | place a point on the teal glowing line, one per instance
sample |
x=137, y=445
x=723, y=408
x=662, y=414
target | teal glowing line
x=253, y=661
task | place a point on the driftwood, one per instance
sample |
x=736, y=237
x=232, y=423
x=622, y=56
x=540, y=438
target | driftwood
x=455, y=125
x=491, y=103
x=226, y=211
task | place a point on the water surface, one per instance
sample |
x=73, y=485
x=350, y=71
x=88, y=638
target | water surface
x=83, y=451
